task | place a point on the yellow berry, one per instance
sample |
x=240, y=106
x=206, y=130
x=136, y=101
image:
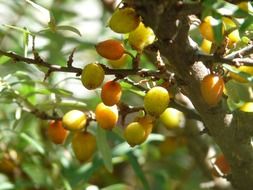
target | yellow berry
x=74, y=120
x=124, y=20
x=247, y=107
x=156, y=100
x=141, y=37
x=92, y=76
x=135, y=134
x=83, y=145
x=206, y=46
x=106, y=116
x=172, y=118
x=119, y=63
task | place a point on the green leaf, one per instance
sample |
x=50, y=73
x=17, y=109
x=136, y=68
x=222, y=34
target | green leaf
x=127, y=86
x=35, y=172
x=244, y=26
x=25, y=41
x=242, y=74
x=32, y=142
x=23, y=30
x=44, y=11
x=104, y=148
x=138, y=170
x=4, y=59
x=69, y=28
x=116, y=187
x=238, y=92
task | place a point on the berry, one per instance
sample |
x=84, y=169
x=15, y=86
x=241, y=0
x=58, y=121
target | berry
x=156, y=100
x=83, y=145
x=106, y=116
x=245, y=69
x=110, y=49
x=147, y=123
x=56, y=132
x=74, y=120
x=124, y=20
x=92, y=76
x=222, y=164
x=171, y=118
x=206, y=46
x=135, y=134
x=211, y=89
x=111, y=93
x=141, y=37
x=233, y=36
x=206, y=28
x=119, y=63
x=247, y=107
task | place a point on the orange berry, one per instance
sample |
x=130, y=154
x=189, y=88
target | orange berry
x=222, y=164
x=56, y=132
x=7, y=165
x=106, y=116
x=110, y=49
x=111, y=93
x=212, y=88
x=83, y=145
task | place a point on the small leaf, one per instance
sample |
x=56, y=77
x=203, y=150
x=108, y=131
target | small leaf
x=32, y=142
x=69, y=28
x=138, y=170
x=238, y=92
x=104, y=148
x=4, y=59
x=17, y=28
x=25, y=41
x=116, y=187
x=44, y=11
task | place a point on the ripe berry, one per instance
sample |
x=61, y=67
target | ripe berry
x=74, y=120
x=124, y=20
x=211, y=89
x=110, y=49
x=92, y=76
x=141, y=37
x=172, y=118
x=222, y=164
x=83, y=145
x=156, y=100
x=206, y=28
x=111, y=93
x=56, y=132
x=106, y=116
x=135, y=134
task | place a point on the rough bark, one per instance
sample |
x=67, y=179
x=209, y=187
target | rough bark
x=232, y=132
